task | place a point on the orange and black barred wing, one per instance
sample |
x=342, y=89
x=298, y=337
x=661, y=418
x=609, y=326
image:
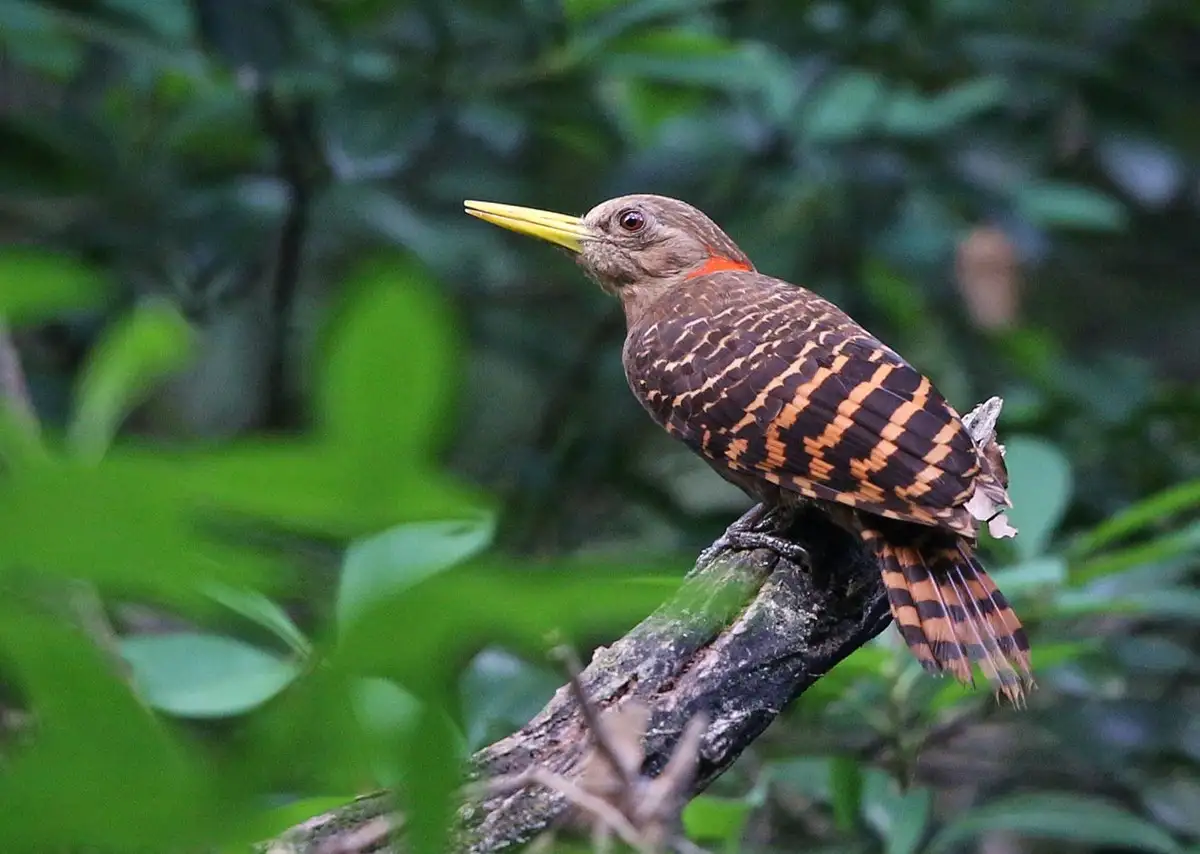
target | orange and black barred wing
x=773, y=382
x=774, y=385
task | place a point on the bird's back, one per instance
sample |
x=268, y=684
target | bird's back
x=782, y=390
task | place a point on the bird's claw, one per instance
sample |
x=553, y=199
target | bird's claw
x=750, y=540
x=747, y=534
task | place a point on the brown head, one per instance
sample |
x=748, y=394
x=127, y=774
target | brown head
x=635, y=247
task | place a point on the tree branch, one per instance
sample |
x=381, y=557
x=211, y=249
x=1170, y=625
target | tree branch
x=747, y=633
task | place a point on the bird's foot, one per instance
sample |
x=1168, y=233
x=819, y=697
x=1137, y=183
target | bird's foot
x=747, y=534
x=750, y=540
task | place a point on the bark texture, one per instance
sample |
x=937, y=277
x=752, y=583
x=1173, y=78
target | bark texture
x=748, y=632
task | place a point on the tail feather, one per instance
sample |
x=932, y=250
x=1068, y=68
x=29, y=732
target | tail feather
x=949, y=612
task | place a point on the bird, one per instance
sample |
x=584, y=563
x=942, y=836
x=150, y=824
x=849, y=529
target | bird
x=790, y=399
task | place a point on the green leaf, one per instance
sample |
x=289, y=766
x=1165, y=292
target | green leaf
x=1159, y=550
x=93, y=735
x=900, y=817
x=846, y=789
x=1156, y=509
x=389, y=562
x=845, y=108
x=386, y=713
x=195, y=675
x=579, y=11
x=140, y=349
x=910, y=114
x=500, y=693
x=169, y=19
x=256, y=607
x=1053, y=205
x=275, y=821
x=455, y=613
x=708, y=818
x=1039, y=483
x=387, y=381
x=37, y=285
x=130, y=521
x=1059, y=816
x=1031, y=575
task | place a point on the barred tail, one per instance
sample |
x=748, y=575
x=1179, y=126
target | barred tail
x=948, y=610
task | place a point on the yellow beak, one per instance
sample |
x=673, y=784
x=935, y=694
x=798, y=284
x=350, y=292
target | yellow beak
x=566, y=231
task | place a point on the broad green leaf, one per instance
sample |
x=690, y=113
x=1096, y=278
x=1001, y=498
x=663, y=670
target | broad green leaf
x=1058, y=205
x=1039, y=483
x=389, y=562
x=258, y=608
x=36, y=285
x=1156, y=509
x=1059, y=816
x=195, y=675
x=708, y=819
x=139, y=350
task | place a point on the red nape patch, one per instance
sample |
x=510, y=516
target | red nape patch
x=716, y=264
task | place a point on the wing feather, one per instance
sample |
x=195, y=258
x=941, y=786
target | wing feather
x=783, y=386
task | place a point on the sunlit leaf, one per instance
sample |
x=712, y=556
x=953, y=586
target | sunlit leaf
x=1059, y=816
x=204, y=676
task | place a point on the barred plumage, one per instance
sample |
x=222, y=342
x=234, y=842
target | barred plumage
x=786, y=396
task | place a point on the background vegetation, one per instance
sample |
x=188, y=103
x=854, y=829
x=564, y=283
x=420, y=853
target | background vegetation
x=331, y=458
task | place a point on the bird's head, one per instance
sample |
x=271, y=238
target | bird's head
x=633, y=246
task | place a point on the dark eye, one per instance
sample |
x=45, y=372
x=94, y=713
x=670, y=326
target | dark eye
x=631, y=220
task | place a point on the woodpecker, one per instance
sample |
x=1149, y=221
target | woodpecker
x=784, y=395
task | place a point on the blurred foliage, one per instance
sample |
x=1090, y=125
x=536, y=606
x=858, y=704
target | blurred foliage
x=337, y=458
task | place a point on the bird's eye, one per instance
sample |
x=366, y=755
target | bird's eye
x=631, y=220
